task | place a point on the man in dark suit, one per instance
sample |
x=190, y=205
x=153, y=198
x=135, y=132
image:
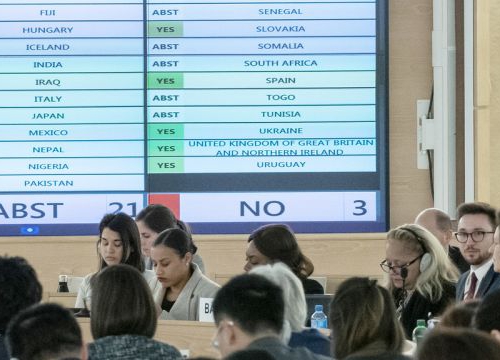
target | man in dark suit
x=476, y=226
x=249, y=314
x=439, y=224
x=487, y=317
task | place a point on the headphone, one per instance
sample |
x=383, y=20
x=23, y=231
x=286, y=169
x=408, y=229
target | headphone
x=426, y=259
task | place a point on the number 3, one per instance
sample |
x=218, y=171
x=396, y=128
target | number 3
x=361, y=208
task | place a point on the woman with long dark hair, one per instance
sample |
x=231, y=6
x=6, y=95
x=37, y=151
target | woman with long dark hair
x=277, y=242
x=118, y=243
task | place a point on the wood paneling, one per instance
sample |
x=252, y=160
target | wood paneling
x=410, y=79
x=332, y=255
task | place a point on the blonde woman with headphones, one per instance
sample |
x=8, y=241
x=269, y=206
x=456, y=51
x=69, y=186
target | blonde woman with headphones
x=421, y=277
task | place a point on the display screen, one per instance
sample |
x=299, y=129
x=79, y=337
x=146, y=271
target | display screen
x=232, y=113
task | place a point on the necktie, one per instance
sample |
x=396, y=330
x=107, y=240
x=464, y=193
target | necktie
x=472, y=287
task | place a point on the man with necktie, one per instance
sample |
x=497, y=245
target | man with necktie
x=476, y=226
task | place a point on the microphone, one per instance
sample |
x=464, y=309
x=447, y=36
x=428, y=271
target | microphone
x=404, y=274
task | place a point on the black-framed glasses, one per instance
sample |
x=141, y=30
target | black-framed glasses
x=397, y=268
x=476, y=235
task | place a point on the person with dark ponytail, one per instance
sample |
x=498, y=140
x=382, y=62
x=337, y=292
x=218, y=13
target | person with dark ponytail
x=182, y=283
x=151, y=221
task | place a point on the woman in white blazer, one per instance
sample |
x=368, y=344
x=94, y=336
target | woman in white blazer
x=182, y=282
x=118, y=243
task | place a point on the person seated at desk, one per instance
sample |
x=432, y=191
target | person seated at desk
x=277, y=242
x=364, y=323
x=19, y=289
x=421, y=276
x=118, y=243
x=151, y=221
x=124, y=318
x=182, y=283
x=294, y=333
x=45, y=332
x=457, y=344
x=249, y=314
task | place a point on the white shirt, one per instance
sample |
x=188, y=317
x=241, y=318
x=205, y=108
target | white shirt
x=85, y=290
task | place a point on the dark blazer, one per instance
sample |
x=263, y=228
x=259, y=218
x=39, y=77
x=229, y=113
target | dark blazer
x=280, y=351
x=420, y=307
x=456, y=258
x=311, y=339
x=3, y=349
x=490, y=282
x=384, y=356
x=312, y=287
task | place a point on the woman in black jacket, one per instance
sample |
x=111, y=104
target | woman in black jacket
x=421, y=277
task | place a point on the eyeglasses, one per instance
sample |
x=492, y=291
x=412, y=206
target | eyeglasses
x=215, y=341
x=476, y=235
x=396, y=268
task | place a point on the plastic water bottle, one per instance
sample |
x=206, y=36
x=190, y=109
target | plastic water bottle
x=318, y=318
x=63, y=284
x=419, y=331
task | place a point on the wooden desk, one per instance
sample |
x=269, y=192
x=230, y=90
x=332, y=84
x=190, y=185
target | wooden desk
x=64, y=299
x=184, y=335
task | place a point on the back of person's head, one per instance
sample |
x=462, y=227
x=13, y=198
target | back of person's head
x=44, y=332
x=19, y=288
x=442, y=220
x=435, y=267
x=278, y=243
x=252, y=302
x=122, y=303
x=293, y=292
x=457, y=344
x=361, y=313
x=477, y=208
x=437, y=222
x=487, y=316
x=459, y=315
x=126, y=227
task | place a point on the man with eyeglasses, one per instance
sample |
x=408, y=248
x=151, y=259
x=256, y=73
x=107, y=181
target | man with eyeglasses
x=476, y=226
x=249, y=314
x=439, y=224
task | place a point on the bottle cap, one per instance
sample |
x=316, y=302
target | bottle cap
x=63, y=278
x=318, y=308
x=421, y=322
